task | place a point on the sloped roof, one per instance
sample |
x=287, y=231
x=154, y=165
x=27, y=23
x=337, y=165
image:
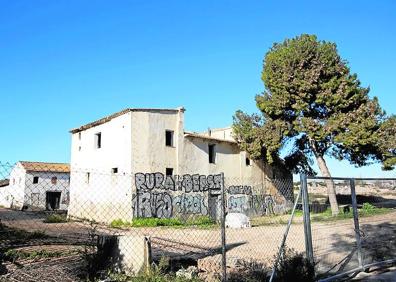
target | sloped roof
x=45, y=167
x=120, y=113
x=201, y=136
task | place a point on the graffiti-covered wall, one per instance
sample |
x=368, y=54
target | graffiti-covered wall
x=161, y=196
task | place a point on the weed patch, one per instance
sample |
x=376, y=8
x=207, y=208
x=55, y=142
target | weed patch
x=200, y=221
x=55, y=218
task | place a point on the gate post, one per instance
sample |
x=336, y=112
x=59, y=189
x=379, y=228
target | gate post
x=356, y=222
x=223, y=232
x=306, y=218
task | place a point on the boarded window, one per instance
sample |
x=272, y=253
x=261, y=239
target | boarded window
x=54, y=180
x=169, y=138
x=98, y=140
x=169, y=171
x=212, y=153
x=35, y=179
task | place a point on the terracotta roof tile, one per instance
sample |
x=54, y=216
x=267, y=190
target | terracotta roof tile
x=45, y=167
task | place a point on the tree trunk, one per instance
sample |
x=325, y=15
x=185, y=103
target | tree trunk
x=329, y=183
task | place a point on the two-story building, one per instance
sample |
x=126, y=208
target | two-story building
x=142, y=162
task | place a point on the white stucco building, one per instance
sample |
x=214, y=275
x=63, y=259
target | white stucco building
x=37, y=186
x=109, y=155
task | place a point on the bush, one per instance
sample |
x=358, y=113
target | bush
x=55, y=218
x=293, y=266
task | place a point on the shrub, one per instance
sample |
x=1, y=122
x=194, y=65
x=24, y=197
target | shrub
x=293, y=266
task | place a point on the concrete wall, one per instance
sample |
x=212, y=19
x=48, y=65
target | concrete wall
x=35, y=194
x=149, y=153
x=95, y=190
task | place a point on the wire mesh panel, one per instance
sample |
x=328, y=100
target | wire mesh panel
x=257, y=213
x=108, y=220
x=363, y=231
x=333, y=236
x=376, y=200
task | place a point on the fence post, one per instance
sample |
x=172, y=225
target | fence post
x=356, y=222
x=223, y=232
x=307, y=219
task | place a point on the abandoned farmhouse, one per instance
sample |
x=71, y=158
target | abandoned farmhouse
x=37, y=185
x=142, y=162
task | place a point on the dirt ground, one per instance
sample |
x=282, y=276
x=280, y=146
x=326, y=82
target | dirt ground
x=333, y=242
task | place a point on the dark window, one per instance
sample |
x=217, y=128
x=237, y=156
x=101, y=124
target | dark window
x=169, y=171
x=87, y=177
x=35, y=179
x=79, y=136
x=98, y=140
x=114, y=170
x=212, y=153
x=247, y=161
x=54, y=180
x=169, y=138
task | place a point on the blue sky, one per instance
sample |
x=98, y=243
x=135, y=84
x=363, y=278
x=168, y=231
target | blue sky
x=66, y=63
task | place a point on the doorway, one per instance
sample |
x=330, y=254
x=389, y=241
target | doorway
x=52, y=200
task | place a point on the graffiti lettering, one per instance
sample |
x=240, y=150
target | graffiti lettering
x=188, y=204
x=187, y=183
x=155, y=204
x=238, y=203
x=235, y=190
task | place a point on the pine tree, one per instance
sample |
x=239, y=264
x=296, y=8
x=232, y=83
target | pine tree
x=314, y=106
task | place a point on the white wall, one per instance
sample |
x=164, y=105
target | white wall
x=17, y=187
x=135, y=143
x=5, y=196
x=44, y=185
x=104, y=194
x=149, y=153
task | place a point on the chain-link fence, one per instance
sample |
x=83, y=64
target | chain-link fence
x=356, y=233
x=68, y=223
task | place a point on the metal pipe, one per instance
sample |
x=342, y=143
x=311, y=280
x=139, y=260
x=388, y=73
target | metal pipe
x=285, y=236
x=348, y=178
x=358, y=269
x=356, y=222
x=307, y=219
x=223, y=232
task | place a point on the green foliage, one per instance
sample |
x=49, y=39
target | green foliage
x=201, y=221
x=314, y=105
x=293, y=266
x=55, y=218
